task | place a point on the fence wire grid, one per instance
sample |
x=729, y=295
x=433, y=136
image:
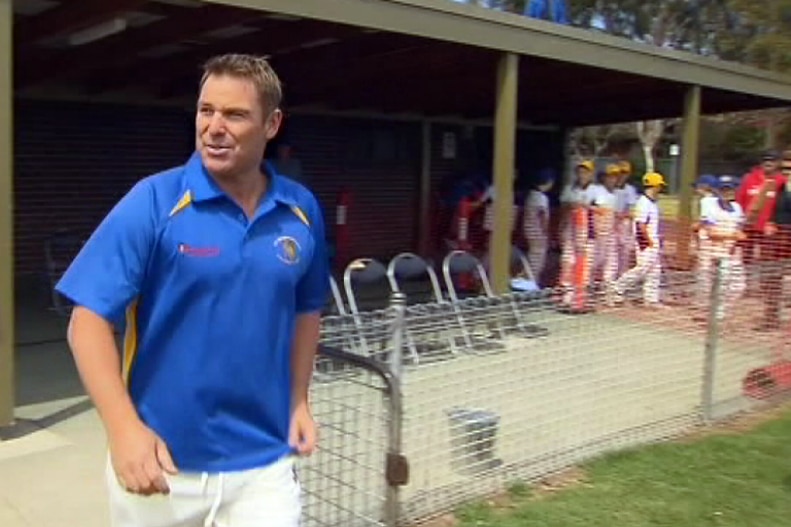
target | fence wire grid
x=352, y=400
x=499, y=389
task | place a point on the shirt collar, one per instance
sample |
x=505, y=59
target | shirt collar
x=202, y=186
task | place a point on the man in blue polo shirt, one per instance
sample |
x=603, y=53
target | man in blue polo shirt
x=220, y=270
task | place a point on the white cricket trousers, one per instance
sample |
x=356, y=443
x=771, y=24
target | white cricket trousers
x=732, y=286
x=264, y=497
x=649, y=270
x=537, y=255
x=626, y=245
x=704, y=271
x=607, y=257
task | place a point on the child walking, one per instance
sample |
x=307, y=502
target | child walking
x=646, y=231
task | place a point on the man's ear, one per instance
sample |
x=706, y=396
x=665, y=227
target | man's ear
x=273, y=122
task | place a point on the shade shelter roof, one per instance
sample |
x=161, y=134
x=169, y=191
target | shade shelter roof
x=430, y=58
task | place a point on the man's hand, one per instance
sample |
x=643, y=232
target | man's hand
x=140, y=459
x=770, y=229
x=302, y=434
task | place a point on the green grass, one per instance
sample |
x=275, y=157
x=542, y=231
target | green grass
x=719, y=481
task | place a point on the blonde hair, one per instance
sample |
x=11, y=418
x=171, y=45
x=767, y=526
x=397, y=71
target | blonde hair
x=249, y=67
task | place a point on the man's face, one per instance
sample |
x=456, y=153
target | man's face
x=231, y=126
x=770, y=166
x=610, y=180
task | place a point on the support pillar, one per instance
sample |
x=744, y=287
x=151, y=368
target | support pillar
x=690, y=140
x=503, y=170
x=7, y=369
x=424, y=208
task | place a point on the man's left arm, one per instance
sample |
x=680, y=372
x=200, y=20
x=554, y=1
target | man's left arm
x=303, y=355
x=311, y=296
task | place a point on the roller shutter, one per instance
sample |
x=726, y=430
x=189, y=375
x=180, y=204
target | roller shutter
x=379, y=162
x=74, y=161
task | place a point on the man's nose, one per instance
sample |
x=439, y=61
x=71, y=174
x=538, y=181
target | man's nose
x=216, y=124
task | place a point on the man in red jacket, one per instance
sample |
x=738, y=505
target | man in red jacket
x=757, y=195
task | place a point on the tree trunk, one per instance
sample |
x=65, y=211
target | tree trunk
x=649, y=132
x=648, y=154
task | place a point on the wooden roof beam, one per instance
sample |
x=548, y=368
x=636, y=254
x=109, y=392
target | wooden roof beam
x=122, y=49
x=458, y=93
x=419, y=68
x=490, y=29
x=69, y=17
x=274, y=38
x=535, y=89
x=295, y=66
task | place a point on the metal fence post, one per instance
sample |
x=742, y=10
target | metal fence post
x=712, y=341
x=398, y=306
x=397, y=469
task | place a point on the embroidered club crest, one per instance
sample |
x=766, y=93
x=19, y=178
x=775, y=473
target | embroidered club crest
x=287, y=250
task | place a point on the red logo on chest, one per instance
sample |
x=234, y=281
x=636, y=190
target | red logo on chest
x=198, y=252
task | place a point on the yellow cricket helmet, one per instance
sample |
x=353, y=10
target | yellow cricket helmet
x=653, y=179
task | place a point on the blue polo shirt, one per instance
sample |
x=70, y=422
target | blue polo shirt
x=210, y=301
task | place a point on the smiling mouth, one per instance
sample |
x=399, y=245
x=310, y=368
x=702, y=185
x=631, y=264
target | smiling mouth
x=217, y=150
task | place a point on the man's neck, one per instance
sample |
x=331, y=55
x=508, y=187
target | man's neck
x=245, y=190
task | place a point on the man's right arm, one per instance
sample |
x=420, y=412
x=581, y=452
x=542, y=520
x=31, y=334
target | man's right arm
x=102, y=281
x=92, y=342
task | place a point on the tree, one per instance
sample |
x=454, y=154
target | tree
x=763, y=38
x=649, y=133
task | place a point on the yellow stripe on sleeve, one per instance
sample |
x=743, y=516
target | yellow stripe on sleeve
x=130, y=342
x=301, y=215
x=183, y=203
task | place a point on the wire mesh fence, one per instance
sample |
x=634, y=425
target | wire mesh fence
x=355, y=405
x=524, y=404
x=753, y=363
x=483, y=391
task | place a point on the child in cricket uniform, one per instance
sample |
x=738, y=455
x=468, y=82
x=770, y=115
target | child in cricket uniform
x=487, y=201
x=604, y=206
x=575, y=234
x=536, y=223
x=626, y=198
x=705, y=189
x=646, y=229
x=722, y=221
